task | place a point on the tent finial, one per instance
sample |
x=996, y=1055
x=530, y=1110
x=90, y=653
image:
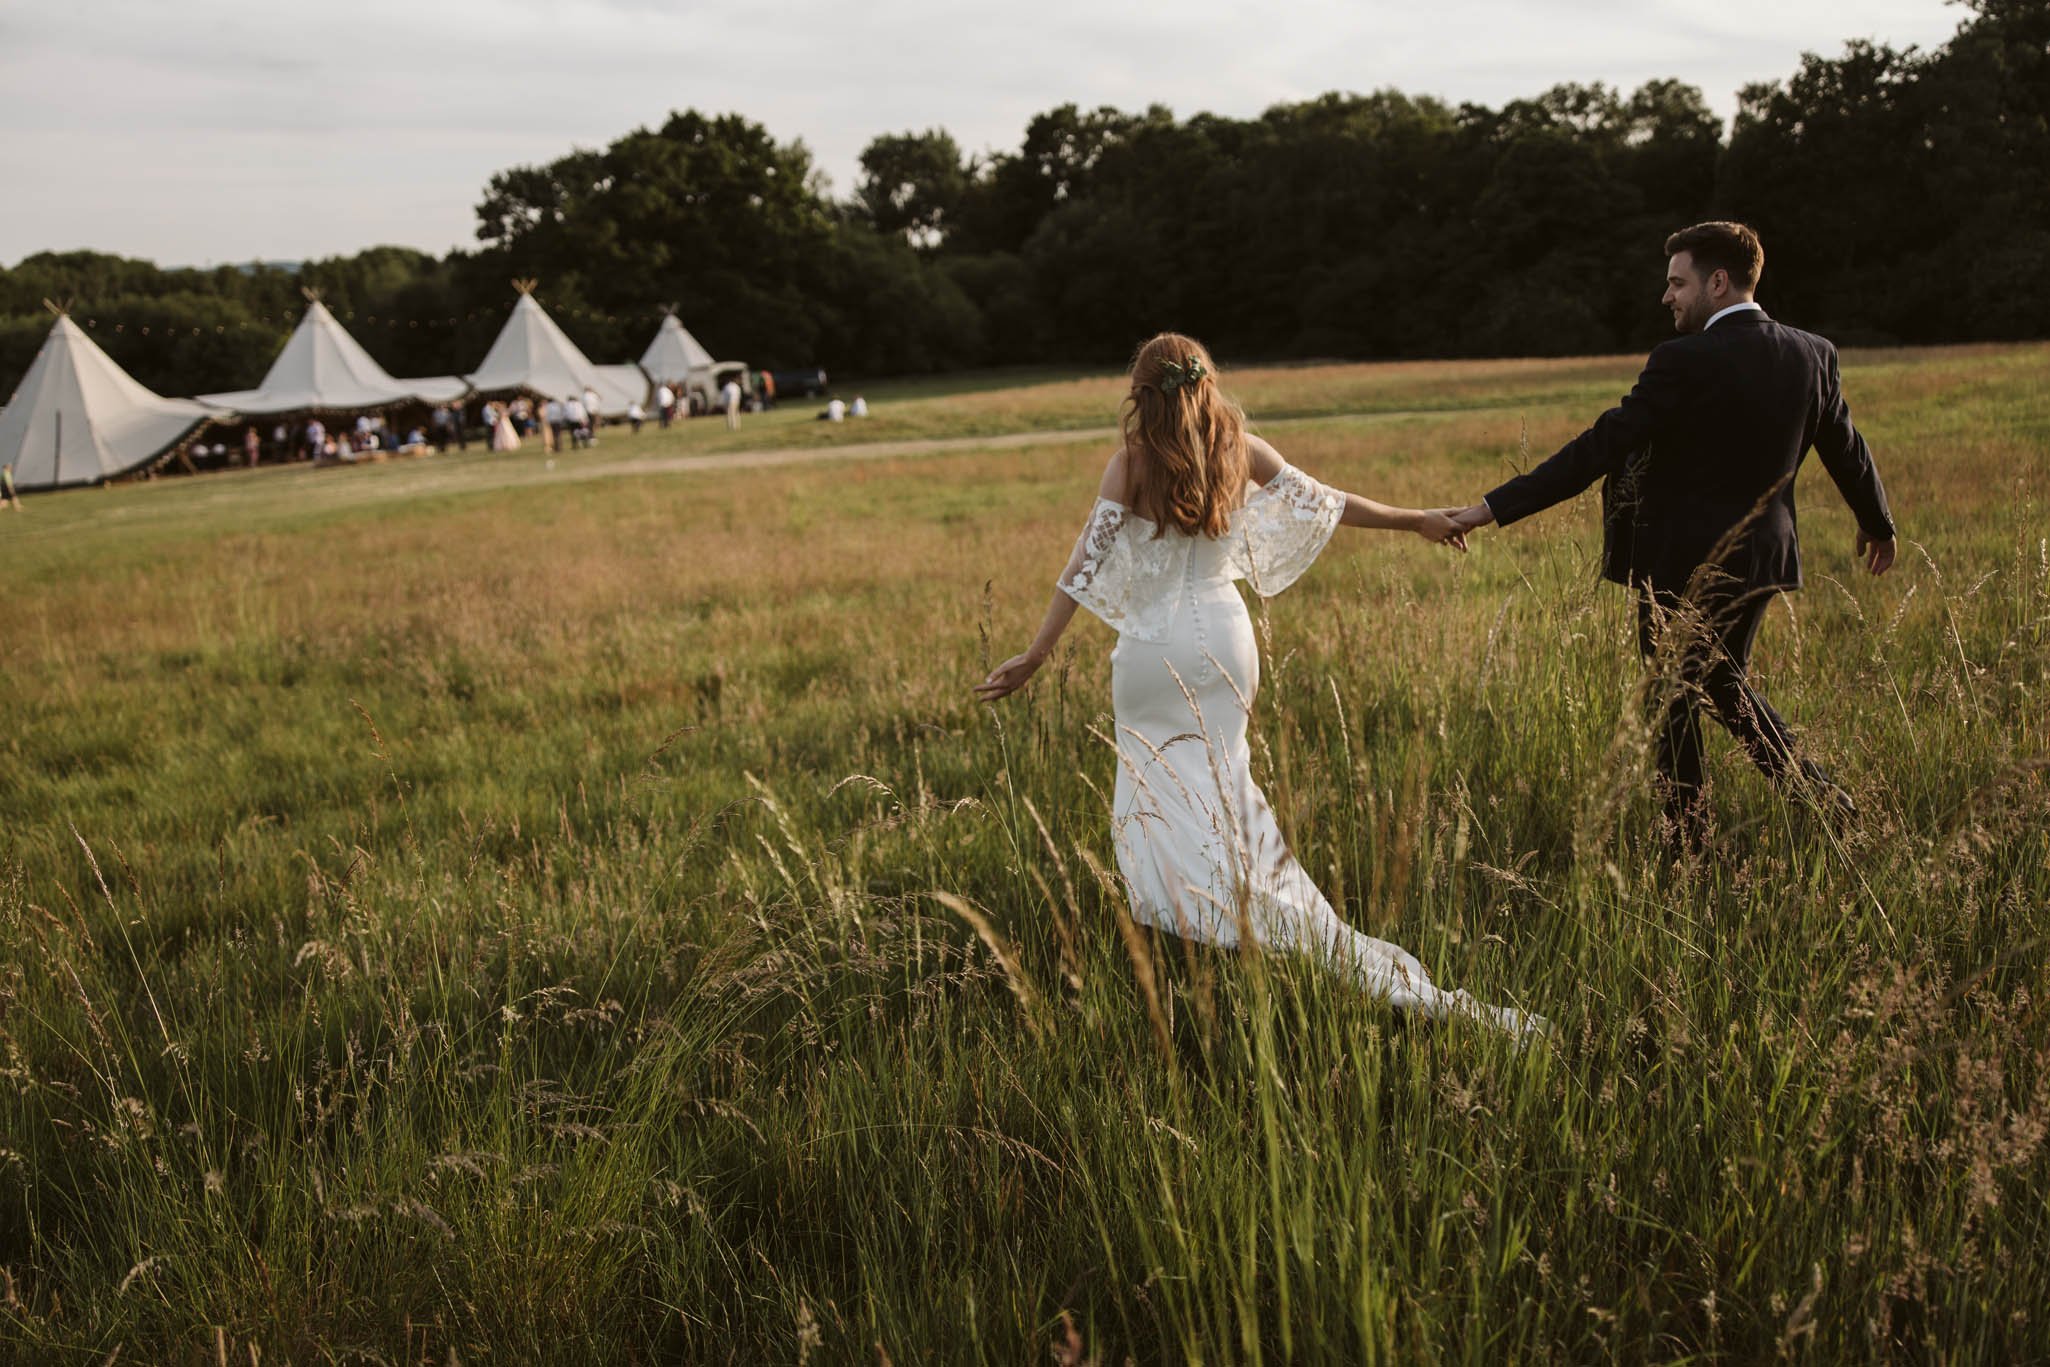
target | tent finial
x=62, y=310
x=312, y=293
x=525, y=284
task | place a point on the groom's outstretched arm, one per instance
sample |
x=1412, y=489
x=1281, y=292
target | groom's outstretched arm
x=1602, y=448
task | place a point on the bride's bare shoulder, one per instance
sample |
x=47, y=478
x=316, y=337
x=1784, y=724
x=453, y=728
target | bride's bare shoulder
x=1263, y=462
x=1118, y=476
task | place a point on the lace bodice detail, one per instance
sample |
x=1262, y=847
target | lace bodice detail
x=1134, y=580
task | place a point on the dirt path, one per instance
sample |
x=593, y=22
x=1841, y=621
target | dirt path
x=302, y=488
x=809, y=455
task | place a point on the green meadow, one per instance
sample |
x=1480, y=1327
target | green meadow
x=474, y=909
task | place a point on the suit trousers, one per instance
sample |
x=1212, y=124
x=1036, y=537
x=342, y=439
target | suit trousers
x=1709, y=644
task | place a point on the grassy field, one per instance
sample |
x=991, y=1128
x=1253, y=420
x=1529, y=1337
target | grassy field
x=470, y=910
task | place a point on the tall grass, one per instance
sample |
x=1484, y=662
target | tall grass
x=594, y=923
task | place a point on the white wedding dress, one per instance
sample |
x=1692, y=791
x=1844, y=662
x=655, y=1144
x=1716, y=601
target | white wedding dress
x=1200, y=851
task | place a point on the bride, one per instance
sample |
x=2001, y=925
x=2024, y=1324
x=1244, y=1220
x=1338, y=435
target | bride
x=1173, y=528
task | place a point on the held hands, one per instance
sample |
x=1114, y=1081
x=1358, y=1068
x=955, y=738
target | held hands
x=1472, y=518
x=1877, y=554
x=1449, y=526
x=1008, y=677
x=1438, y=526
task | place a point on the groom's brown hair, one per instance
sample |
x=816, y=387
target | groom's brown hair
x=1731, y=247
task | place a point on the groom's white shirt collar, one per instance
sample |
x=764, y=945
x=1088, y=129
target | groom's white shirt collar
x=1734, y=308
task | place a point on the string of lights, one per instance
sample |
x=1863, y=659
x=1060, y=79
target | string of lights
x=387, y=322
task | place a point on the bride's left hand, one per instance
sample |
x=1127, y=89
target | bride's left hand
x=1007, y=678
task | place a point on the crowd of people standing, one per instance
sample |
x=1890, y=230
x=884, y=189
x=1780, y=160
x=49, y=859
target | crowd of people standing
x=569, y=423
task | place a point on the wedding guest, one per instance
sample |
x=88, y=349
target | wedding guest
x=504, y=436
x=578, y=420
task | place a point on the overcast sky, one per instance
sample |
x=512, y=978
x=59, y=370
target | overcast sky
x=202, y=131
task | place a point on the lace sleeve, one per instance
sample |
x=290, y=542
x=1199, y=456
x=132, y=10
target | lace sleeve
x=1122, y=583
x=1282, y=528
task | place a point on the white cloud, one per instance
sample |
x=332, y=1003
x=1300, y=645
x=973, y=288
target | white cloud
x=223, y=130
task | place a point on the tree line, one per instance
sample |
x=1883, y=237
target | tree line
x=1903, y=196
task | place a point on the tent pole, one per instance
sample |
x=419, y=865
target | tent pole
x=57, y=461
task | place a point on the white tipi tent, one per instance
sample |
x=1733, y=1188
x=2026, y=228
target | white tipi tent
x=324, y=370
x=622, y=385
x=78, y=418
x=534, y=356
x=675, y=356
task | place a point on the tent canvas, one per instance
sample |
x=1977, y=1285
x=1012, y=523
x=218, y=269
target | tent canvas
x=78, y=418
x=622, y=385
x=674, y=355
x=324, y=370
x=533, y=355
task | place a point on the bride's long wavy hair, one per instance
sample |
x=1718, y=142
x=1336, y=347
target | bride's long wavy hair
x=1186, y=440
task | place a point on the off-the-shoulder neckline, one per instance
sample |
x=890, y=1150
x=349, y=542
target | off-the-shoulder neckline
x=1136, y=516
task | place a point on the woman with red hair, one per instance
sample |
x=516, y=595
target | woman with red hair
x=1189, y=505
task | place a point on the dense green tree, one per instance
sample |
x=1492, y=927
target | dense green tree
x=912, y=184
x=177, y=331
x=1986, y=108
x=1012, y=194
x=1831, y=167
x=708, y=211
x=892, y=310
x=1002, y=290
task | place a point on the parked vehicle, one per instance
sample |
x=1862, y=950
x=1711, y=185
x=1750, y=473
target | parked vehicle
x=807, y=383
x=701, y=388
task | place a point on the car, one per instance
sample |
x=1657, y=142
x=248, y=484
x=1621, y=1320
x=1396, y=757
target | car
x=807, y=383
x=701, y=389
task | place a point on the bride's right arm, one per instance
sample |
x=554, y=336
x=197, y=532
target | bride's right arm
x=1010, y=676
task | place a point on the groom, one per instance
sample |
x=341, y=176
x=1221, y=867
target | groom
x=1698, y=504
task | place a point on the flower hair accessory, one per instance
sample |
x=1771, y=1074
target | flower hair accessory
x=1175, y=374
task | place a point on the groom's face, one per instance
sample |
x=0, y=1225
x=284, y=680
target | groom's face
x=1687, y=294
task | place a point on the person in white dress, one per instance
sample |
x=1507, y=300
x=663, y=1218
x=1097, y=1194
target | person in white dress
x=504, y=436
x=1175, y=526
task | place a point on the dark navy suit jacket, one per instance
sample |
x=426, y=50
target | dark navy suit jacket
x=1700, y=458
